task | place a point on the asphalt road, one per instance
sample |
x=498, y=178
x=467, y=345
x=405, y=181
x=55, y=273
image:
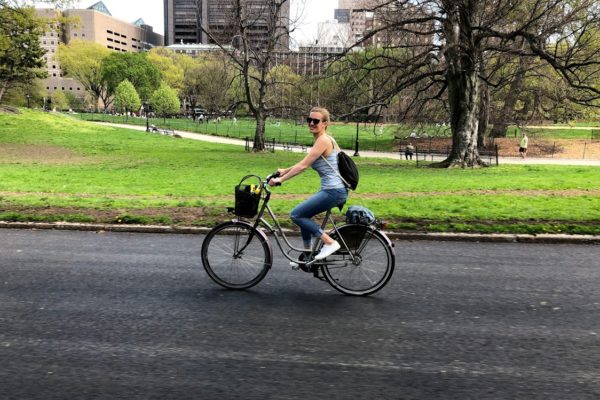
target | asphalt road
x=87, y=315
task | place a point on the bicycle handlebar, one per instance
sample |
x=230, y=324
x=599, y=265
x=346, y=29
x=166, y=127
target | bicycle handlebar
x=275, y=174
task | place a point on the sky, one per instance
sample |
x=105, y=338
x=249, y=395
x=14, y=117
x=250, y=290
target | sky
x=310, y=12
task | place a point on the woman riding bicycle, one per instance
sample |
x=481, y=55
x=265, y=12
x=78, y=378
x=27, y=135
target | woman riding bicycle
x=333, y=191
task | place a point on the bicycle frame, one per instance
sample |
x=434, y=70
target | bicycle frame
x=275, y=230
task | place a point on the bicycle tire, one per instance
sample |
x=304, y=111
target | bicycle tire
x=375, y=261
x=236, y=271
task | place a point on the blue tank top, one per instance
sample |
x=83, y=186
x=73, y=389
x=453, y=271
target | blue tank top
x=329, y=177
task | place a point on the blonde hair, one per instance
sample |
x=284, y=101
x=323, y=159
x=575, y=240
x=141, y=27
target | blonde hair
x=324, y=112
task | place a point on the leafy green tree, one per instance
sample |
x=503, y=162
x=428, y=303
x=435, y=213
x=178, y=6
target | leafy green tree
x=212, y=80
x=126, y=98
x=166, y=61
x=136, y=68
x=164, y=101
x=26, y=94
x=20, y=50
x=283, y=95
x=82, y=60
x=59, y=100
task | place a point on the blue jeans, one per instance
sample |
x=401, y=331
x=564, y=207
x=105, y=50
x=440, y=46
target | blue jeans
x=322, y=201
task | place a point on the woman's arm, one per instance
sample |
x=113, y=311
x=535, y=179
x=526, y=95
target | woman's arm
x=320, y=147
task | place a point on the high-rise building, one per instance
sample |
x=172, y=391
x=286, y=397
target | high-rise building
x=368, y=19
x=95, y=24
x=185, y=18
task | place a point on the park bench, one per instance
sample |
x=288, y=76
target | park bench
x=272, y=145
x=428, y=154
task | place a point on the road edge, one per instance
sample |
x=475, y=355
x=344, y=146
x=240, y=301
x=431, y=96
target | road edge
x=437, y=236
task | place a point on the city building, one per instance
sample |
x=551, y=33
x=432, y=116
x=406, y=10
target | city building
x=95, y=24
x=358, y=14
x=184, y=19
x=196, y=49
x=366, y=17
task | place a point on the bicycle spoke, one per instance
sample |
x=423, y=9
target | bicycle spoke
x=373, y=270
x=229, y=267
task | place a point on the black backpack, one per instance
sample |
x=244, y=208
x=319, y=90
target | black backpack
x=347, y=168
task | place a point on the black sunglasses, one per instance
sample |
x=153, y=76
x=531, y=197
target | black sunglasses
x=313, y=121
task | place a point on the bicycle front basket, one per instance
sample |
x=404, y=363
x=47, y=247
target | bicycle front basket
x=247, y=198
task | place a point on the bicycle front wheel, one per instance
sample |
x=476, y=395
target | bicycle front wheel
x=236, y=255
x=368, y=268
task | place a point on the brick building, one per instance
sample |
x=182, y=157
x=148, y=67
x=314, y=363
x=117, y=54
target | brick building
x=95, y=24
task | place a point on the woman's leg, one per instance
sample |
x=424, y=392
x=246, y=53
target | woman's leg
x=302, y=215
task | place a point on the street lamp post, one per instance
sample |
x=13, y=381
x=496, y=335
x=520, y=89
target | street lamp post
x=146, y=109
x=28, y=97
x=356, y=141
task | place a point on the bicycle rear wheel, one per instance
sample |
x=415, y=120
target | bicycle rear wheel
x=368, y=268
x=236, y=255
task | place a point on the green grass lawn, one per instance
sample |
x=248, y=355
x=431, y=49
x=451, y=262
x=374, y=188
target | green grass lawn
x=56, y=167
x=556, y=132
x=371, y=137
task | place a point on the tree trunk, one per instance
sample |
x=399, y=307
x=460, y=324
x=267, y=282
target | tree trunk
x=463, y=96
x=462, y=77
x=484, y=114
x=259, y=133
x=3, y=87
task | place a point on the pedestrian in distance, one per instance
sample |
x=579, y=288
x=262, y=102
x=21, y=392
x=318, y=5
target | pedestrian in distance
x=523, y=146
x=333, y=192
x=409, y=151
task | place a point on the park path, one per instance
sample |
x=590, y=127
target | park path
x=370, y=154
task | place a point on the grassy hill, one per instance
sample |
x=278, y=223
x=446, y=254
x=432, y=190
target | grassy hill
x=55, y=167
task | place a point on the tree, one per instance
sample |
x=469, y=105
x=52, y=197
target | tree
x=209, y=83
x=59, y=100
x=26, y=94
x=167, y=62
x=164, y=101
x=20, y=50
x=135, y=67
x=82, y=60
x=447, y=43
x=126, y=98
x=252, y=57
x=284, y=91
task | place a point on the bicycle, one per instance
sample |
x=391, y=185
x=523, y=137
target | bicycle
x=237, y=254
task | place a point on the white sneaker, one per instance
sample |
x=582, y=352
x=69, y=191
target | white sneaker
x=327, y=250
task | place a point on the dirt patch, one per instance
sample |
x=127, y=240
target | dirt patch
x=185, y=216
x=9, y=109
x=207, y=217
x=39, y=154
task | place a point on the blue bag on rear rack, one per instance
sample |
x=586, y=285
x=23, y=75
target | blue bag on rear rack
x=359, y=215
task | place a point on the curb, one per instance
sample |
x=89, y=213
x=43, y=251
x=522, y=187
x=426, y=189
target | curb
x=410, y=236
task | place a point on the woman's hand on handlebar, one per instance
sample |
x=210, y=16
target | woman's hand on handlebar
x=273, y=179
x=275, y=182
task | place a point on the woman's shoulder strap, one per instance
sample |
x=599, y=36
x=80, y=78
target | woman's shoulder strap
x=335, y=145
